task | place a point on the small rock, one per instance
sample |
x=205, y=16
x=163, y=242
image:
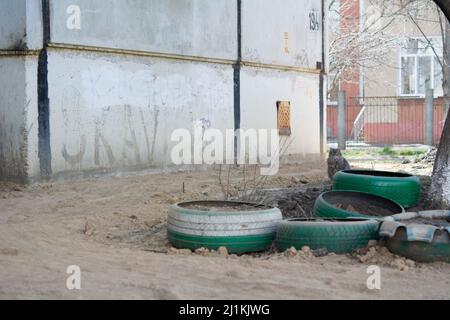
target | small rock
x=371, y=252
x=306, y=249
x=320, y=252
x=372, y=243
x=400, y=265
x=410, y=263
x=202, y=251
x=406, y=161
x=173, y=251
x=223, y=251
x=291, y=252
x=89, y=229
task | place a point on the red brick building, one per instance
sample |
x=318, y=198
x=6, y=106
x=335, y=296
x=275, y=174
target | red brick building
x=386, y=105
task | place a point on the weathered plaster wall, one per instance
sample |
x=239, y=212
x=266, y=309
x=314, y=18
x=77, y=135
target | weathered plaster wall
x=282, y=32
x=185, y=27
x=18, y=117
x=261, y=89
x=171, y=67
x=119, y=111
x=20, y=25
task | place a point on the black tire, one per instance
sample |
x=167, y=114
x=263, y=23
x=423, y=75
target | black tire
x=335, y=235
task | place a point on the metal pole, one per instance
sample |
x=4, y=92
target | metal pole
x=341, y=120
x=429, y=117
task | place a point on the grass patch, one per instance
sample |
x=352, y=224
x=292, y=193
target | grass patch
x=411, y=152
x=383, y=152
x=388, y=151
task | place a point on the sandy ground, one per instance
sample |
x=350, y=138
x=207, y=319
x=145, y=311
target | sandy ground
x=113, y=228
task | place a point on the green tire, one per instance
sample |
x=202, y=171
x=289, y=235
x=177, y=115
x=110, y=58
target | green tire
x=401, y=188
x=420, y=251
x=338, y=236
x=423, y=242
x=243, y=244
x=191, y=226
x=325, y=208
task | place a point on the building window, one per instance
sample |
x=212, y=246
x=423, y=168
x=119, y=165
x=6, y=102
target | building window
x=420, y=68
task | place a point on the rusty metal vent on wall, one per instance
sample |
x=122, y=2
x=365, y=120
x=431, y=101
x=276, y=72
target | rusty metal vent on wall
x=284, y=118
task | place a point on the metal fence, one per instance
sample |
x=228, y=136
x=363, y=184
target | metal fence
x=389, y=120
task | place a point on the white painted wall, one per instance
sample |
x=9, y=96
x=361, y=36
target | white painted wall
x=20, y=25
x=261, y=89
x=113, y=111
x=125, y=108
x=18, y=117
x=187, y=27
x=278, y=32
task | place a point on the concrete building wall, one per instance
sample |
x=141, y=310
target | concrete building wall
x=117, y=111
x=20, y=25
x=281, y=32
x=137, y=70
x=260, y=92
x=184, y=27
x=18, y=117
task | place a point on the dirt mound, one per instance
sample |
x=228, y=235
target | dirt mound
x=381, y=256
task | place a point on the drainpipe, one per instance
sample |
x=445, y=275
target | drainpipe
x=321, y=85
x=43, y=99
x=237, y=79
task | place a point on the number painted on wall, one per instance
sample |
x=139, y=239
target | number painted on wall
x=314, y=20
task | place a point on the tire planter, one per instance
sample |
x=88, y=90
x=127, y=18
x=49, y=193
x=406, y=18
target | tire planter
x=335, y=235
x=335, y=204
x=420, y=242
x=399, y=187
x=239, y=230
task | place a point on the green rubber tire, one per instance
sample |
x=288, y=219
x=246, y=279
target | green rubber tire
x=401, y=188
x=335, y=236
x=240, y=231
x=238, y=245
x=420, y=251
x=324, y=209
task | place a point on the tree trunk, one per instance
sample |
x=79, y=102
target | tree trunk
x=440, y=186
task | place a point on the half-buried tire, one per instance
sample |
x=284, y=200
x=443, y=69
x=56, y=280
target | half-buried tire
x=398, y=187
x=240, y=227
x=335, y=235
x=351, y=204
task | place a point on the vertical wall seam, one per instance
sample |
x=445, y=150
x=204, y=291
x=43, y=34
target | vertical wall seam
x=321, y=85
x=237, y=79
x=237, y=70
x=44, y=152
